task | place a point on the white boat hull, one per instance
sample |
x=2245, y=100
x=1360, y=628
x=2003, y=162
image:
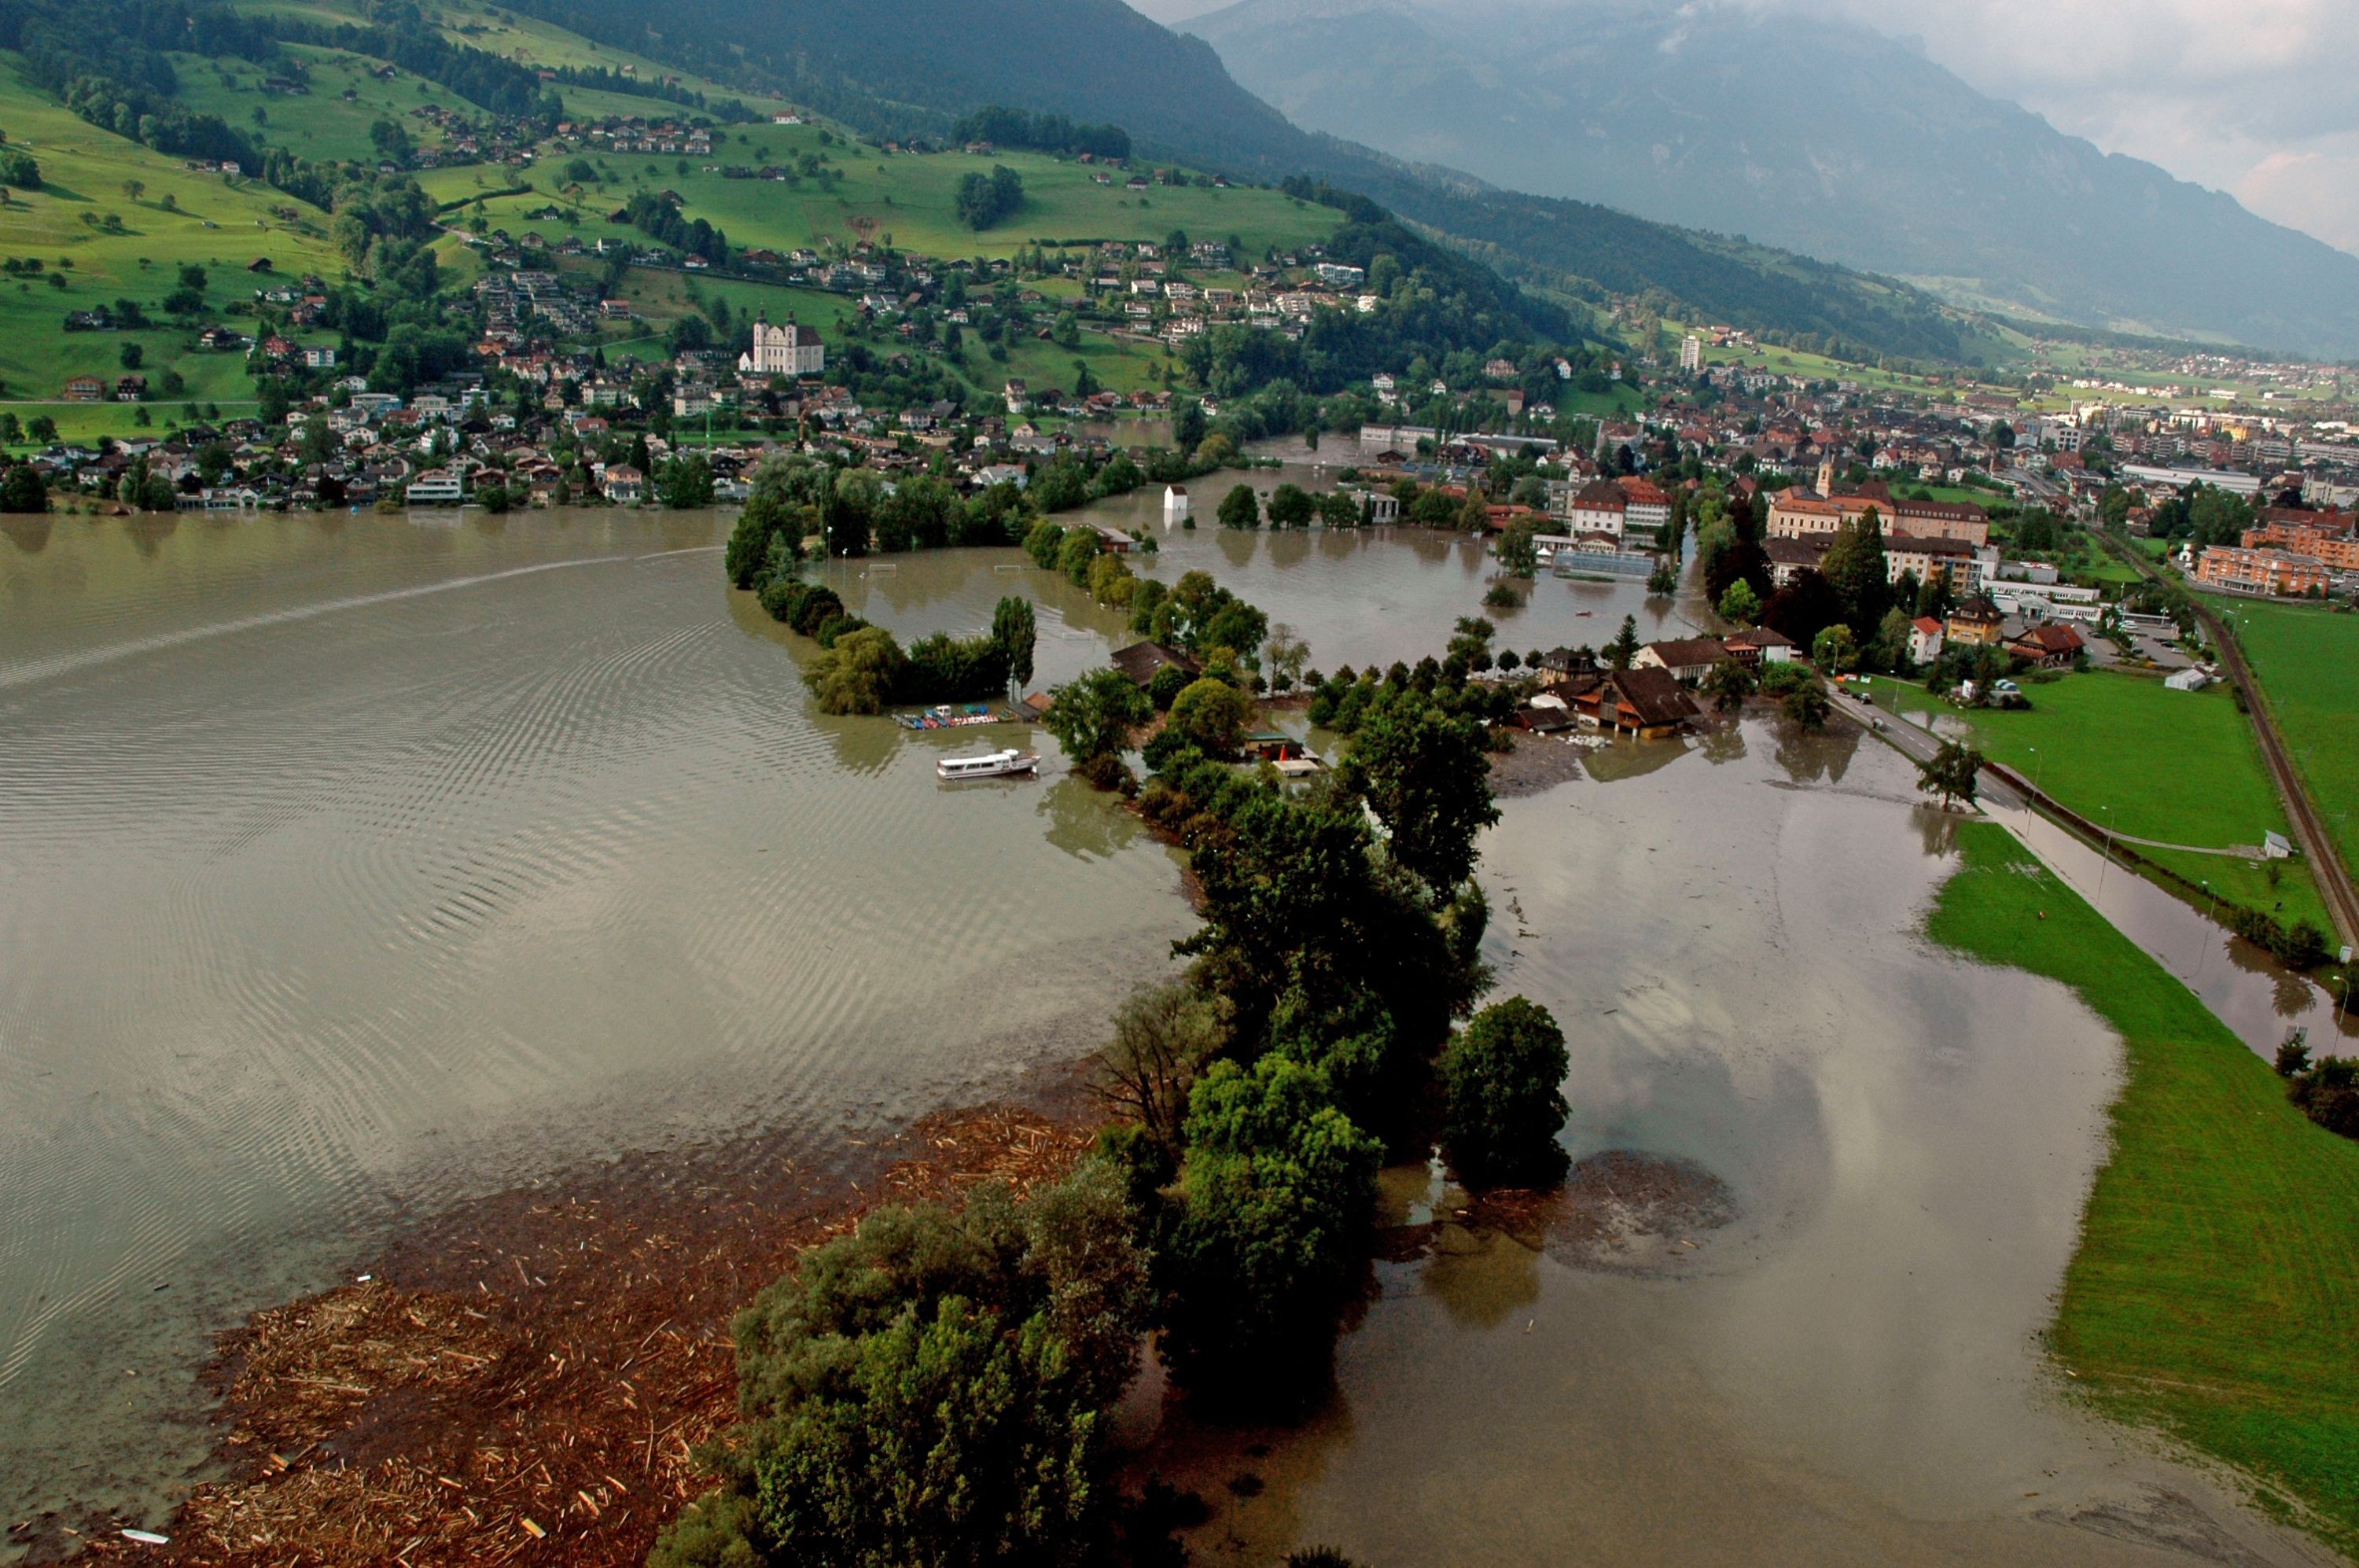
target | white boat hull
x=991, y=764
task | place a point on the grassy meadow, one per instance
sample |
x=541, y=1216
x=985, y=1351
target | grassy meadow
x=2306, y=660
x=322, y=123
x=2215, y=1292
x=909, y=198
x=2180, y=767
x=217, y=223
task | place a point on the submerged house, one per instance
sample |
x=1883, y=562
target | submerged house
x=1647, y=703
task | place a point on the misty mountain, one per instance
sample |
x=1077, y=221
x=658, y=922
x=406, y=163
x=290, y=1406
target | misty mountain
x=1815, y=136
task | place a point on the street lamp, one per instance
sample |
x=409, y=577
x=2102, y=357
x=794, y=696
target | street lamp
x=2038, y=771
x=2106, y=864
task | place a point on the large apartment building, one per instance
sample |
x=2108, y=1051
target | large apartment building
x=2273, y=572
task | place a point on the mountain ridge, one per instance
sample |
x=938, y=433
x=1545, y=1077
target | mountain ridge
x=1910, y=173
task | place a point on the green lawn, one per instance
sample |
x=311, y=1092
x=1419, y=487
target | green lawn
x=85, y=170
x=2181, y=766
x=2215, y=1292
x=2306, y=660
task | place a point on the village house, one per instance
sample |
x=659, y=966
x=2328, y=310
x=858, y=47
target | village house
x=623, y=484
x=1687, y=658
x=2049, y=645
x=1953, y=559
x=1599, y=506
x=435, y=487
x=1757, y=645
x=1143, y=660
x=1647, y=703
x=1789, y=557
x=1975, y=622
x=1925, y=640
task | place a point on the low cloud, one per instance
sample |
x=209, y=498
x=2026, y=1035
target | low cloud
x=2254, y=98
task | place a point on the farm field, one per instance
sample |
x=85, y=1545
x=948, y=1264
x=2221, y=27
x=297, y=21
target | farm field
x=2306, y=660
x=2178, y=766
x=178, y=217
x=2218, y=1271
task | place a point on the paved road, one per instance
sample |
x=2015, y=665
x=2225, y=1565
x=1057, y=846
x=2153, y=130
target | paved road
x=1917, y=745
x=2309, y=829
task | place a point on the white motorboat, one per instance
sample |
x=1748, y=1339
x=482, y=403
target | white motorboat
x=990, y=764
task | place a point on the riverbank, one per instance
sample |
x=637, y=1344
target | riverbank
x=535, y=1368
x=2217, y=1274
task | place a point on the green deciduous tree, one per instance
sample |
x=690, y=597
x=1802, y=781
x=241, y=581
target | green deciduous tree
x=21, y=490
x=1277, y=1204
x=1728, y=684
x=1951, y=773
x=1855, y=567
x=1093, y=716
x=859, y=674
x=1290, y=506
x=1212, y=716
x=1424, y=774
x=1164, y=1036
x=1502, y=1075
x=1805, y=703
x=1015, y=627
x=1240, y=508
x=1835, y=651
x=1740, y=606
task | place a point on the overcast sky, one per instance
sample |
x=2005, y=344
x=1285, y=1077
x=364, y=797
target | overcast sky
x=2259, y=98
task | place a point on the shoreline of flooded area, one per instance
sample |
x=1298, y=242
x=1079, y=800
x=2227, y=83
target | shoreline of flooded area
x=352, y=867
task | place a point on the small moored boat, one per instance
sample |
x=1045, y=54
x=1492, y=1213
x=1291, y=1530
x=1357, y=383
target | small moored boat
x=990, y=764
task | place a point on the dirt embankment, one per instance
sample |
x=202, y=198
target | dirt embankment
x=528, y=1374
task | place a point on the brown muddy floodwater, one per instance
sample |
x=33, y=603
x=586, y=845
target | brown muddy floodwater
x=349, y=865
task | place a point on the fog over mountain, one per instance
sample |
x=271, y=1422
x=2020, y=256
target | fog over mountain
x=1803, y=131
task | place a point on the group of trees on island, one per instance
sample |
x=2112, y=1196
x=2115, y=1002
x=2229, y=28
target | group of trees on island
x=860, y=668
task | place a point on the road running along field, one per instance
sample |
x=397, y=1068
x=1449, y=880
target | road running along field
x=2180, y=768
x=2215, y=1291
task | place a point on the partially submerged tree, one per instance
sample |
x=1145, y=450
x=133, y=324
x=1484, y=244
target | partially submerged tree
x=1504, y=1076
x=1950, y=772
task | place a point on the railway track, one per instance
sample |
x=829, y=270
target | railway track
x=2308, y=829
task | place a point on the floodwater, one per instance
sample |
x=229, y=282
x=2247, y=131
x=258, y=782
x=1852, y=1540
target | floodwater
x=1846, y=1371
x=350, y=864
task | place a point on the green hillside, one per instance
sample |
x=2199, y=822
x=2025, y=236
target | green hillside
x=178, y=217
x=904, y=199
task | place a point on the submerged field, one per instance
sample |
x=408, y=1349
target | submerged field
x=2215, y=1292
x=2307, y=661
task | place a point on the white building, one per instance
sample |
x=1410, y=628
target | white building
x=790, y=349
x=436, y=486
x=1175, y=505
x=1692, y=355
